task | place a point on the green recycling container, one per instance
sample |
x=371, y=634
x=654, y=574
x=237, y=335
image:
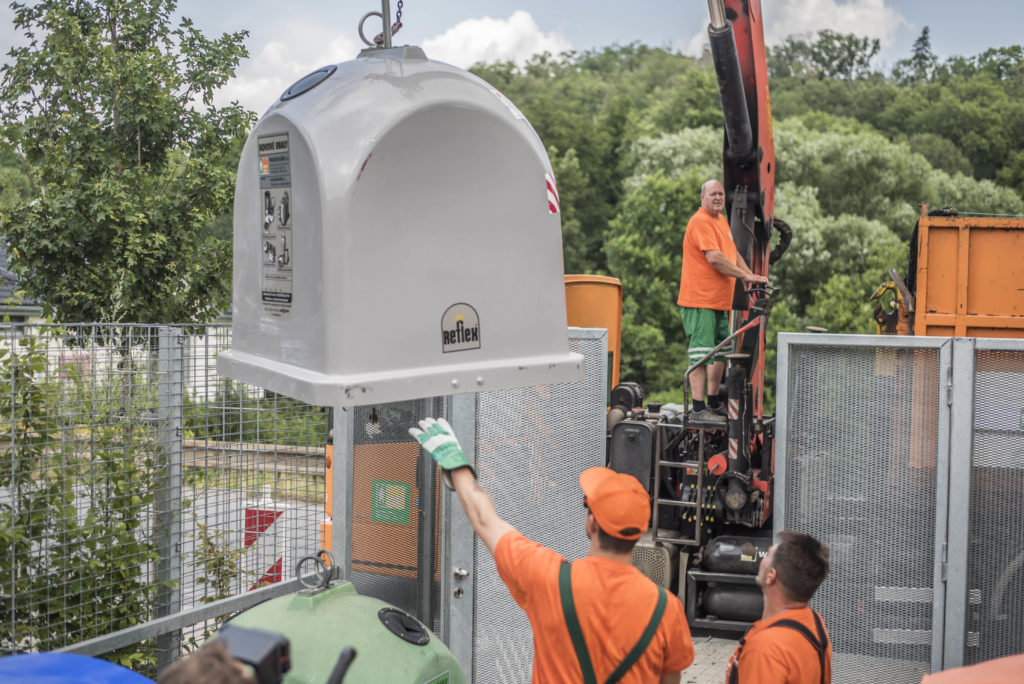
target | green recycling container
x=391, y=645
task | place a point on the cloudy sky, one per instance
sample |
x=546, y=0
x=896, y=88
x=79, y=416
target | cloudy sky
x=288, y=40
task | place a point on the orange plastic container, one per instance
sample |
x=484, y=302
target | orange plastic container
x=593, y=301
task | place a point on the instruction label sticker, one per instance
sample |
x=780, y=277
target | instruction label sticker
x=276, y=268
x=390, y=502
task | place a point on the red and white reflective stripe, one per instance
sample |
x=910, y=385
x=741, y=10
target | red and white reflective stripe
x=734, y=409
x=257, y=522
x=553, y=203
x=734, y=449
x=261, y=533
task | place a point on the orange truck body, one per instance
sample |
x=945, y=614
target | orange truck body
x=969, y=277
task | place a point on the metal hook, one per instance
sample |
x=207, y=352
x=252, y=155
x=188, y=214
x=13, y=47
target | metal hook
x=383, y=39
x=362, y=21
x=320, y=568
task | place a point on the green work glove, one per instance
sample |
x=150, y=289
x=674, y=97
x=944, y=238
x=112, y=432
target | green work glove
x=437, y=439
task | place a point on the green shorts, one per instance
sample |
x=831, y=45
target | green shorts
x=706, y=329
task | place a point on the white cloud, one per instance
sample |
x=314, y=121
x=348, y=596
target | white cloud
x=486, y=39
x=804, y=18
x=274, y=66
x=262, y=78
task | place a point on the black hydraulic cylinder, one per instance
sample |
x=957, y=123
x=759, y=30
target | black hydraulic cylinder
x=738, y=461
x=730, y=87
x=736, y=492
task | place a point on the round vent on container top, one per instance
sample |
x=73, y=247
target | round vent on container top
x=308, y=82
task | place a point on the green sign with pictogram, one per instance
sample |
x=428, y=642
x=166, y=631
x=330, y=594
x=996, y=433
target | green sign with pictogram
x=390, y=502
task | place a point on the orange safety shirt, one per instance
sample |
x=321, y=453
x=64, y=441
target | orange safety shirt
x=781, y=655
x=701, y=286
x=614, y=602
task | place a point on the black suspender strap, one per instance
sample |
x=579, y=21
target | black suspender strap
x=734, y=671
x=820, y=644
x=645, y=639
x=576, y=633
x=569, y=610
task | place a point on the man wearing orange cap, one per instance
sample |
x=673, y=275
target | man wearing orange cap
x=598, y=619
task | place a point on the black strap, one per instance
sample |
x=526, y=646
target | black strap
x=820, y=644
x=645, y=639
x=569, y=610
x=582, y=654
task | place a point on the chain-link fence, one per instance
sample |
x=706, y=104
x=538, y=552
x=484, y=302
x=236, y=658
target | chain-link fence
x=137, y=487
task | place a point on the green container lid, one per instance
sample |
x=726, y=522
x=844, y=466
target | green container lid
x=391, y=645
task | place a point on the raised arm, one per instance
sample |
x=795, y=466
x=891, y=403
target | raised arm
x=437, y=439
x=486, y=522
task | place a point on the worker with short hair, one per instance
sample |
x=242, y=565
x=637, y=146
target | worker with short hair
x=598, y=619
x=711, y=265
x=789, y=644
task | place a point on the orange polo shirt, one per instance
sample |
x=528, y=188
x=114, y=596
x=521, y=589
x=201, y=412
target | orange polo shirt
x=614, y=602
x=781, y=655
x=701, y=286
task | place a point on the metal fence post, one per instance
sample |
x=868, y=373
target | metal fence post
x=961, y=397
x=458, y=569
x=341, y=499
x=167, y=523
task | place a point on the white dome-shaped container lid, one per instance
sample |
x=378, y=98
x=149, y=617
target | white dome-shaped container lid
x=397, y=236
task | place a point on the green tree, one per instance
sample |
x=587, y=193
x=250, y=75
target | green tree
x=921, y=66
x=109, y=108
x=832, y=55
x=589, y=108
x=941, y=153
x=860, y=172
x=14, y=185
x=833, y=264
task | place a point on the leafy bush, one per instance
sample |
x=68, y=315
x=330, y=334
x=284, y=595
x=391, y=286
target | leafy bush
x=73, y=511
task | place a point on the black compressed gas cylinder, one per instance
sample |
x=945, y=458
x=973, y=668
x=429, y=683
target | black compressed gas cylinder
x=738, y=555
x=741, y=602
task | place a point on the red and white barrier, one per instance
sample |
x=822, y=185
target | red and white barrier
x=261, y=538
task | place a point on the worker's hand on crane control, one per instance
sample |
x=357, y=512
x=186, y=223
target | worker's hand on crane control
x=438, y=439
x=755, y=279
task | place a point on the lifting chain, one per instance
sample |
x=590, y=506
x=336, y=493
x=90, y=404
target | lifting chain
x=395, y=28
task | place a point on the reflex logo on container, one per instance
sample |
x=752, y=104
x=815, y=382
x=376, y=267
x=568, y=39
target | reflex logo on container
x=460, y=328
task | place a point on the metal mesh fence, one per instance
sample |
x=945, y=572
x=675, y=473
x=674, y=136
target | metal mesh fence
x=531, y=446
x=395, y=509
x=135, y=483
x=995, y=559
x=860, y=476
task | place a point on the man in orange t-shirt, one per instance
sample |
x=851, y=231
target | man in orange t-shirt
x=789, y=644
x=599, y=615
x=711, y=266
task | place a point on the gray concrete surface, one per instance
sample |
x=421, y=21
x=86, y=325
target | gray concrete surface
x=712, y=655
